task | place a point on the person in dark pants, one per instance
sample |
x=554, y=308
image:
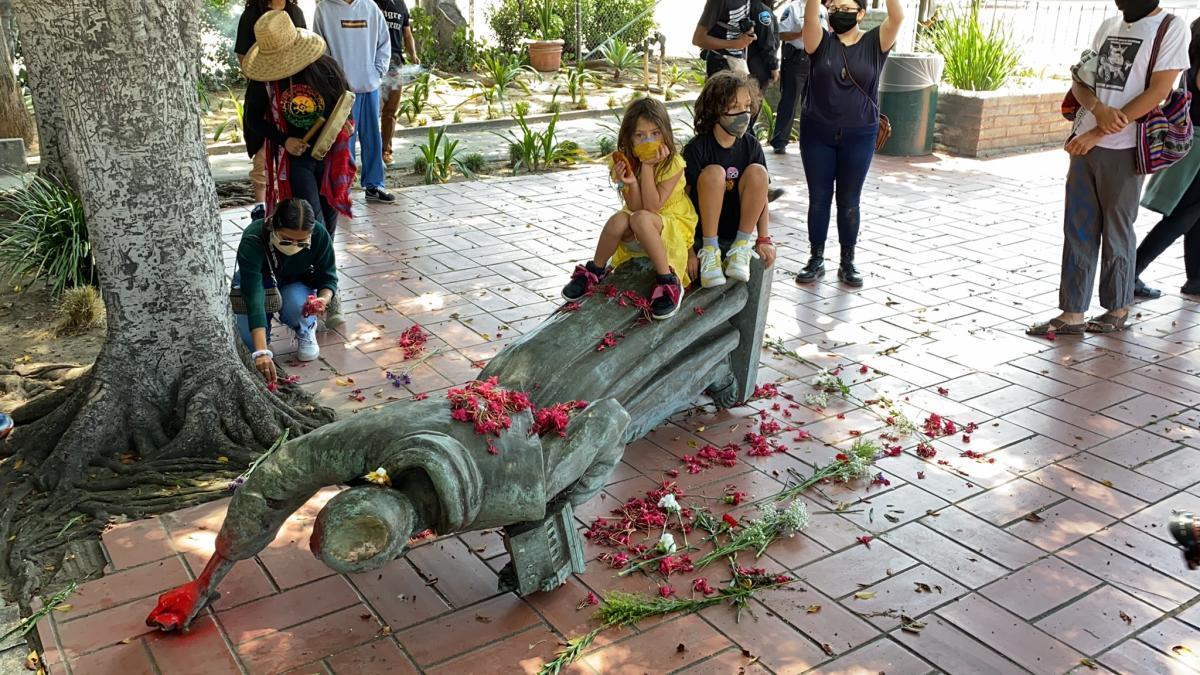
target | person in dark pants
x=793, y=73
x=841, y=122
x=723, y=33
x=1175, y=193
x=762, y=56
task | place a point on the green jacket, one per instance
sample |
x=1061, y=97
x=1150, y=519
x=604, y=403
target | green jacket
x=313, y=266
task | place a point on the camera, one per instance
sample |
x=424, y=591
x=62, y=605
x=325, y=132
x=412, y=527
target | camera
x=1185, y=527
x=746, y=25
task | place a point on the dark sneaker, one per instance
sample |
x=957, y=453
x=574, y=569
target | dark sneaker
x=259, y=212
x=781, y=151
x=1141, y=290
x=380, y=195
x=666, y=298
x=582, y=280
x=1192, y=287
x=774, y=193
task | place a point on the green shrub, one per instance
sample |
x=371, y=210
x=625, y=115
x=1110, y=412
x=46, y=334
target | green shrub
x=607, y=145
x=475, y=162
x=620, y=57
x=978, y=57
x=603, y=18
x=461, y=55
x=80, y=309
x=514, y=21
x=521, y=108
x=43, y=235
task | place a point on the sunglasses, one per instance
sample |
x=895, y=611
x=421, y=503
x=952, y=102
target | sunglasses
x=302, y=243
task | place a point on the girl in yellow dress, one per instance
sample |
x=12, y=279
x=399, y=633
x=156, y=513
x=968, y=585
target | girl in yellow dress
x=658, y=221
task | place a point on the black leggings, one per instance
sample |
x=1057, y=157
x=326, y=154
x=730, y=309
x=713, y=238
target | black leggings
x=1183, y=220
x=306, y=185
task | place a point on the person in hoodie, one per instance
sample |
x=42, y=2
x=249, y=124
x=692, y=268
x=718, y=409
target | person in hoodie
x=359, y=40
x=1103, y=186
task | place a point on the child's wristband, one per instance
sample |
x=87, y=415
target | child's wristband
x=763, y=240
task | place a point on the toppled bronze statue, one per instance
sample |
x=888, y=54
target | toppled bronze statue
x=444, y=469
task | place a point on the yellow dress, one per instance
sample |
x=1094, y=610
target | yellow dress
x=679, y=226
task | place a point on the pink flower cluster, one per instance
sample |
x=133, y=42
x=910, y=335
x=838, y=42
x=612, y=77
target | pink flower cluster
x=412, y=341
x=487, y=406
x=637, y=515
x=709, y=456
x=555, y=418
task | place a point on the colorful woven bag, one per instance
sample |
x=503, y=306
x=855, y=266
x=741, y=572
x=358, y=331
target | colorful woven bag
x=1165, y=134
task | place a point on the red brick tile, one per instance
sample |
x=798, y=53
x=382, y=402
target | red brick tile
x=1010, y=636
x=1011, y=501
x=561, y=609
x=900, y=594
x=309, y=642
x=1032, y=454
x=831, y=530
x=380, y=656
x=288, y=559
x=472, y=627
x=521, y=653
x=1128, y=574
x=895, y=508
x=952, y=650
x=1100, y=395
x=1121, y=479
x=1153, y=519
x=1191, y=616
x=1132, y=656
x=845, y=572
x=656, y=650
x=127, y=585
x=728, y=661
x=102, y=629
x=180, y=653
x=1166, y=636
x=1094, y=622
x=127, y=659
x=1179, y=469
x=1038, y=588
x=944, y=554
x=1068, y=434
x=1092, y=493
x=461, y=576
x=1154, y=553
x=247, y=581
x=1002, y=401
x=136, y=543
x=1060, y=525
x=1094, y=422
x=830, y=624
x=881, y=656
x=400, y=596
x=1143, y=409
x=287, y=609
x=792, y=552
x=1134, y=448
x=761, y=633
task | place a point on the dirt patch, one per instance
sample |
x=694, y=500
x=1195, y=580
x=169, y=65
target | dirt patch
x=27, y=336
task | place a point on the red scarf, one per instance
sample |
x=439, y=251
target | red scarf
x=336, y=179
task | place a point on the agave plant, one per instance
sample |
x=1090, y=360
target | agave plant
x=43, y=235
x=978, y=57
x=501, y=73
x=620, y=57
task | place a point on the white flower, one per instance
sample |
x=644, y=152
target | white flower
x=666, y=543
x=669, y=504
x=379, y=477
x=795, y=517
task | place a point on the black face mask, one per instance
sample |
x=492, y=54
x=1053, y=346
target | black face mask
x=842, y=22
x=1133, y=11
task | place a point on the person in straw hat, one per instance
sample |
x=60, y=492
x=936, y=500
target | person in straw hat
x=303, y=85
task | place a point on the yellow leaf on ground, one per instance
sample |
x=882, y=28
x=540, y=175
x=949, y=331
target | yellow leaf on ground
x=64, y=608
x=864, y=595
x=813, y=609
x=223, y=459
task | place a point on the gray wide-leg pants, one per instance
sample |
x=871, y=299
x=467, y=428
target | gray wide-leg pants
x=1103, y=189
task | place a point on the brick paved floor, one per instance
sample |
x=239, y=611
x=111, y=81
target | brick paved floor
x=1099, y=436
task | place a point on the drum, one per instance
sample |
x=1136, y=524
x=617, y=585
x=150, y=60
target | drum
x=334, y=122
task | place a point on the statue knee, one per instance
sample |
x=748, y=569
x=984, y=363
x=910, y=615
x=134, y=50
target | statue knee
x=363, y=529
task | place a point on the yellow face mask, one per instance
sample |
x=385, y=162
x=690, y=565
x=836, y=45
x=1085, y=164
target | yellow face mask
x=646, y=151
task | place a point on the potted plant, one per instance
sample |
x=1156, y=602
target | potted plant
x=545, y=53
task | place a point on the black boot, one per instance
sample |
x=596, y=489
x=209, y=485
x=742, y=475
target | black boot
x=847, y=272
x=815, y=268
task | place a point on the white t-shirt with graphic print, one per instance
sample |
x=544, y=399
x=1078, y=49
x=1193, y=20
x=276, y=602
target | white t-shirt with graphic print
x=1123, y=51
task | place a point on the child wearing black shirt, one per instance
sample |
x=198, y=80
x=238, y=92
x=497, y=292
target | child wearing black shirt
x=727, y=180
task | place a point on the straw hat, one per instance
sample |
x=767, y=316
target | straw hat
x=281, y=49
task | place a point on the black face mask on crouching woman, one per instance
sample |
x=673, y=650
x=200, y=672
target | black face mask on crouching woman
x=1133, y=11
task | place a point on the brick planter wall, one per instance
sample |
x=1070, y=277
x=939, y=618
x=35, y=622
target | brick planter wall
x=986, y=124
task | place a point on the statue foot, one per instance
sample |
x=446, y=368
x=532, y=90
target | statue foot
x=177, y=608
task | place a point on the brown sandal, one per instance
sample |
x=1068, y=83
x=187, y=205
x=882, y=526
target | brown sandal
x=1056, y=326
x=1108, y=323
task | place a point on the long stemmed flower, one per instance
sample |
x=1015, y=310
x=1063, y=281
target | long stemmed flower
x=845, y=467
x=758, y=534
x=241, y=480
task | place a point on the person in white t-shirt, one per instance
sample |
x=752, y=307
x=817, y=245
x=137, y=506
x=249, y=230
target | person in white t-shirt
x=1103, y=187
x=793, y=73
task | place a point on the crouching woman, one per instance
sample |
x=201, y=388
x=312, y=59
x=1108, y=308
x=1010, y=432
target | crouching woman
x=282, y=261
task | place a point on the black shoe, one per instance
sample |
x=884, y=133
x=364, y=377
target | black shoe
x=781, y=151
x=774, y=193
x=847, y=272
x=582, y=280
x=1192, y=287
x=666, y=298
x=815, y=268
x=259, y=212
x=1141, y=290
x=380, y=195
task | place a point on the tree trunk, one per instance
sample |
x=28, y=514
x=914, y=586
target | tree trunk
x=15, y=120
x=171, y=394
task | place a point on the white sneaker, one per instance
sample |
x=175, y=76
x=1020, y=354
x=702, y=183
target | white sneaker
x=710, y=267
x=737, y=263
x=307, y=338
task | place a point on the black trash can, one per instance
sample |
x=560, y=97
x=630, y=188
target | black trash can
x=908, y=93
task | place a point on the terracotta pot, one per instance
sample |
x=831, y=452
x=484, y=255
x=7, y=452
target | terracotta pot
x=545, y=56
